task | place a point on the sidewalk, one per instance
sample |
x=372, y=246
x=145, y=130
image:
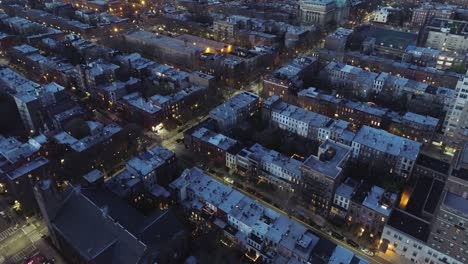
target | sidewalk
x=49, y=252
x=392, y=257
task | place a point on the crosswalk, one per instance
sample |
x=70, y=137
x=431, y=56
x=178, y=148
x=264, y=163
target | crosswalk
x=7, y=232
x=22, y=255
x=34, y=236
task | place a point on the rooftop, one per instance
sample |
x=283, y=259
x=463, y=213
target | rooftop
x=433, y=163
x=312, y=92
x=162, y=41
x=28, y=168
x=266, y=156
x=25, y=49
x=100, y=135
x=456, y=27
x=99, y=226
x=136, y=100
x=292, y=69
x=341, y=33
x=456, y=204
x=420, y=119
x=12, y=150
x=409, y=224
x=311, y=118
x=123, y=183
x=218, y=140
x=380, y=201
x=146, y=162
x=347, y=188
x=384, y=141
x=93, y=176
x=234, y=105
x=264, y=221
x=330, y=159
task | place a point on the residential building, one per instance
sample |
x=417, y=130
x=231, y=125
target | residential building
x=350, y=79
x=292, y=118
x=33, y=101
x=410, y=125
x=21, y=166
x=415, y=127
x=433, y=163
x=381, y=15
x=338, y=40
x=140, y=110
x=456, y=120
x=426, y=12
x=421, y=56
x=323, y=174
x=447, y=35
x=148, y=171
x=235, y=110
x=224, y=30
x=262, y=163
x=434, y=77
x=77, y=156
x=214, y=147
x=370, y=209
x=285, y=81
x=342, y=199
x=338, y=131
x=379, y=148
x=265, y=234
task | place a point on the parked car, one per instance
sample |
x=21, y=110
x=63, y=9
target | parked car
x=352, y=243
x=367, y=252
x=337, y=236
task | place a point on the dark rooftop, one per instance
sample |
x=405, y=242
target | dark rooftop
x=322, y=251
x=461, y=174
x=434, y=196
x=409, y=224
x=425, y=196
x=392, y=38
x=433, y=164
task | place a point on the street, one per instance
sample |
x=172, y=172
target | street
x=20, y=237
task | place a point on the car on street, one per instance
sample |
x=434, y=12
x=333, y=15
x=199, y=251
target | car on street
x=337, y=235
x=3, y=214
x=352, y=243
x=367, y=252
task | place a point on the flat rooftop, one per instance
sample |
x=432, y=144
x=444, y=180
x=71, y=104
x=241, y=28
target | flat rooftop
x=456, y=204
x=384, y=141
x=433, y=163
x=409, y=224
x=311, y=118
x=330, y=162
x=380, y=201
x=234, y=105
x=219, y=140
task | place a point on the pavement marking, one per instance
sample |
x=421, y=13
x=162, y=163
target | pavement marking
x=7, y=232
x=20, y=256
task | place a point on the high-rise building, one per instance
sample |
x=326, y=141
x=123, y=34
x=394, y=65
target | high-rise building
x=456, y=121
